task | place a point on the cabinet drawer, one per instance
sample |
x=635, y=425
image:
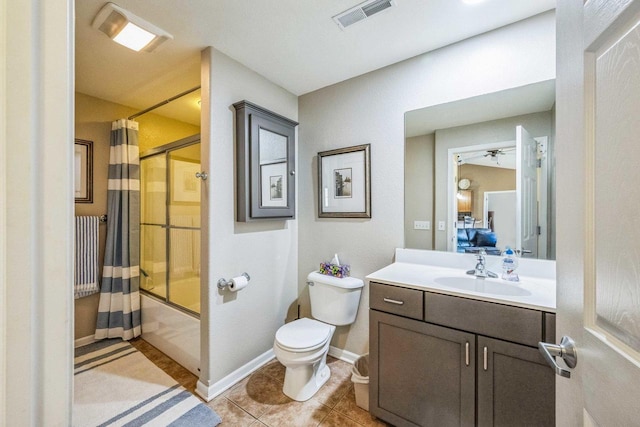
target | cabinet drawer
x=393, y=299
x=549, y=327
x=514, y=324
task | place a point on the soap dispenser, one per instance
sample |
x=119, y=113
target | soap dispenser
x=509, y=265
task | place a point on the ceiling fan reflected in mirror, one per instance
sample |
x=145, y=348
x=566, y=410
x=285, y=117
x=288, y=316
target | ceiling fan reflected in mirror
x=498, y=152
x=492, y=154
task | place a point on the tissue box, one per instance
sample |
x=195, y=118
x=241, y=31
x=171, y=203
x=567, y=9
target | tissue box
x=335, y=270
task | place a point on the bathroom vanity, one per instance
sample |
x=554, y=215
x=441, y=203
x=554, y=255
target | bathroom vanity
x=449, y=349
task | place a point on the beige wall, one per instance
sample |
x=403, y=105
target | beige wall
x=485, y=178
x=238, y=327
x=370, y=109
x=157, y=130
x=418, y=184
x=93, y=117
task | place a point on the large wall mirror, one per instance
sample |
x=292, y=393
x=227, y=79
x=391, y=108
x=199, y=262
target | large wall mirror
x=480, y=173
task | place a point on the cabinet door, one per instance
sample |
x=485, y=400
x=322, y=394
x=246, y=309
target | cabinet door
x=515, y=385
x=465, y=198
x=420, y=374
x=265, y=156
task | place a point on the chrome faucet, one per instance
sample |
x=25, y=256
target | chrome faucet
x=481, y=269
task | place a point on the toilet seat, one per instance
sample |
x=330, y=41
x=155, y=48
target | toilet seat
x=303, y=335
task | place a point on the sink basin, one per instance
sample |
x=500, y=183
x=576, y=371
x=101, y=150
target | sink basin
x=482, y=285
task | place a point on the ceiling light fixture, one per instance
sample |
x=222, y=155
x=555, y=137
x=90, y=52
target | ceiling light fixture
x=128, y=29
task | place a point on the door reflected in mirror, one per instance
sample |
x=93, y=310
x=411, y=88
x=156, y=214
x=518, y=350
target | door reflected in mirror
x=483, y=169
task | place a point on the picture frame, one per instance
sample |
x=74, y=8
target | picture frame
x=83, y=171
x=344, y=182
x=185, y=188
x=273, y=185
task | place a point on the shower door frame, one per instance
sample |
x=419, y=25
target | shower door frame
x=166, y=149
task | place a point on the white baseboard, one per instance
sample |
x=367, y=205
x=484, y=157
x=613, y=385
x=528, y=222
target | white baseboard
x=84, y=341
x=344, y=355
x=208, y=393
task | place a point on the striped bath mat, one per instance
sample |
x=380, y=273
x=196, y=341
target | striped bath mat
x=116, y=385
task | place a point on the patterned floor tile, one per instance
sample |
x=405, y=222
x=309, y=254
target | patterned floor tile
x=336, y=419
x=260, y=396
x=298, y=414
x=230, y=413
x=347, y=407
x=275, y=370
x=257, y=394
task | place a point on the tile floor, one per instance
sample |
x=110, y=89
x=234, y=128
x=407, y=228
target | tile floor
x=258, y=399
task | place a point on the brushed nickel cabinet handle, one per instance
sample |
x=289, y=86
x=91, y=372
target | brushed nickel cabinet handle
x=466, y=353
x=485, y=363
x=393, y=301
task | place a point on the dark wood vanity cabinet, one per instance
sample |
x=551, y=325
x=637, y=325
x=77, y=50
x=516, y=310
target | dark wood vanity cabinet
x=420, y=374
x=457, y=363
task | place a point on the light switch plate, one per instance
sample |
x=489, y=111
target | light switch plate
x=422, y=225
x=442, y=226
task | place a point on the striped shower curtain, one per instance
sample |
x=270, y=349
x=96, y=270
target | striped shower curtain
x=119, y=307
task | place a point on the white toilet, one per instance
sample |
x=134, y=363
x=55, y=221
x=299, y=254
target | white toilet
x=302, y=345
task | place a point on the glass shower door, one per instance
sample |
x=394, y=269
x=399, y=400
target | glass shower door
x=184, y=227
x=153, y=220
x=170, y=225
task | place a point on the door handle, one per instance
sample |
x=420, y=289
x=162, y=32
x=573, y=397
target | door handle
x=566, y=350
x=202, y=175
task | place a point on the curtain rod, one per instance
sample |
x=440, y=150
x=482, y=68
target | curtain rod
x=165, y=102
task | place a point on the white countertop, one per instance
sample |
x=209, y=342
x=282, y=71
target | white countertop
x=538, y=293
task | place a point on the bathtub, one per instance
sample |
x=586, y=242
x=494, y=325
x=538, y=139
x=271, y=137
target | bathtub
x=171, y=331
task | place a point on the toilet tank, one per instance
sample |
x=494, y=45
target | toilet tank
x=334, y=300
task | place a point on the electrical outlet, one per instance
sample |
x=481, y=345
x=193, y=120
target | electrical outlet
x=442, y=226
x=422, y=225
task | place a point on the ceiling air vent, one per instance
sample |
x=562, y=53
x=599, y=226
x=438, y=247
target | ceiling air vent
x=362, y=11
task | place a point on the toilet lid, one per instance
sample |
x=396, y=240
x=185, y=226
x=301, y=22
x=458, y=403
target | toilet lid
x=303, y=334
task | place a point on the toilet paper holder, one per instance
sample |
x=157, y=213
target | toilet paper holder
x=223, y=283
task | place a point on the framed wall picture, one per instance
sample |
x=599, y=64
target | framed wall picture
x=83, y=171
x=185, y=187
x=273, y=182
x=344, y=182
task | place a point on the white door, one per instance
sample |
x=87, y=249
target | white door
x=598, y=232
x=526, y=193
x=503, y=206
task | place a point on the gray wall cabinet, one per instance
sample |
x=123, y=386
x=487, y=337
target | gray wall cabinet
x=459, y=362
x=265, y=156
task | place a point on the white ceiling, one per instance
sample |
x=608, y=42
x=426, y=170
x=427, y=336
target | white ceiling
x=293, y=43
